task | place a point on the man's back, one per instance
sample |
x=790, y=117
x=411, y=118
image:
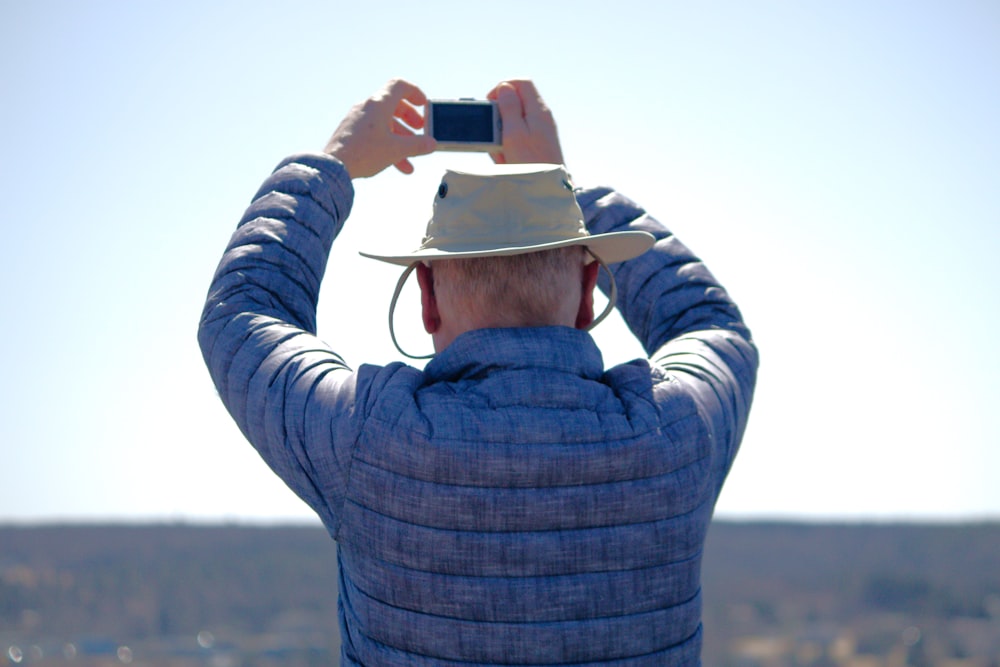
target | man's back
x=516, y=505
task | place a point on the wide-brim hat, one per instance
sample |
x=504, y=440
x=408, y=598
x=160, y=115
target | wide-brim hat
x=511, y=210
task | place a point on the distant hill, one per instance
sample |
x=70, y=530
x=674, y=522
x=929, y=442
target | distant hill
x=774, y=593
x=152, y=580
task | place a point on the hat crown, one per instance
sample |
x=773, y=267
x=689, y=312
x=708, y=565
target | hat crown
x=510, y=210
x=507, y=207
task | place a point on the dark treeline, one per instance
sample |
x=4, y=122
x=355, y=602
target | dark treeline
x=155, y=580
x=825, y=581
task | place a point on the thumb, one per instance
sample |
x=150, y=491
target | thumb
x=413, y=145
x=422, y=144
x=409, y=145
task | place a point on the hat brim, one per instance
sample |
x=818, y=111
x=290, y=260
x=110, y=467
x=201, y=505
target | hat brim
x=611, y=247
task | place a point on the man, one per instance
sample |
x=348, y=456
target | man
x=514, y=503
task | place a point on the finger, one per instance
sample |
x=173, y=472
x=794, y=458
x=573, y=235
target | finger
x=511, y=111
x=419, y=144
x=409, y=115
x=410, y=143
x=400, y=89
x=535, y=108
x=525, y=88
x=516, y=83
x=536, y=112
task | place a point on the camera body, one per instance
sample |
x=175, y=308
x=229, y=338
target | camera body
x=464, y=124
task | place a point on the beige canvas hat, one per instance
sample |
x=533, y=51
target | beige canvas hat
x=510, y=210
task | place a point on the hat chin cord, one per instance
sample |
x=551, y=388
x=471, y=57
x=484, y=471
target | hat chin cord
x=612, y=299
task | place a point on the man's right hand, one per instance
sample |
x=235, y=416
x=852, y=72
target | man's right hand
x=376, y=133
x=529, y=130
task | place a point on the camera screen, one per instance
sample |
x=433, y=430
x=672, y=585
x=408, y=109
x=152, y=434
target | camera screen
x=471, y=123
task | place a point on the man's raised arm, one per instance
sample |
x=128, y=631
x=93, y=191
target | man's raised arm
x=257, y=330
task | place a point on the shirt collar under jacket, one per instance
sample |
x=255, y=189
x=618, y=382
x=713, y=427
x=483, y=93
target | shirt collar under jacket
x=556, y=348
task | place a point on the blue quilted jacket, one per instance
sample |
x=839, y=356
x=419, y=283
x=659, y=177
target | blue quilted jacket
x=514, y=503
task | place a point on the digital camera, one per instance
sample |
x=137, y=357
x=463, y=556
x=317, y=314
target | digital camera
x=464, y=124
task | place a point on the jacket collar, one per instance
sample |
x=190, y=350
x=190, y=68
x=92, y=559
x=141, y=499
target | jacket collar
x=482, y=351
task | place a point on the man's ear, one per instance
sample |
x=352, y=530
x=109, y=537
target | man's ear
x=428, y=302
x=585, y=314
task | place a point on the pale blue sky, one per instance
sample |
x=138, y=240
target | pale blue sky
x=836, y=164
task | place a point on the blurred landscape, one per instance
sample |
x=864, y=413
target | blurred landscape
x=775, y=594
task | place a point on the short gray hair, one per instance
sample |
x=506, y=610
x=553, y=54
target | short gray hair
x=529, y=289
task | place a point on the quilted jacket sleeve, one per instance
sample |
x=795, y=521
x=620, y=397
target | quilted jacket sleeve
x=284, y=387
x=685, y=320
